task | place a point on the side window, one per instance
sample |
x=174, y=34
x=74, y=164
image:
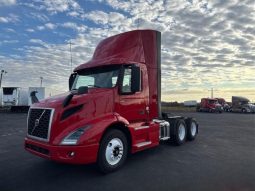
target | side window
x=131, y=80
x=126, y=85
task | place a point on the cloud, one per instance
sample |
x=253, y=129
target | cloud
x=7, y=2
x=30, y=30
x=11, y=18
x=50, y=26
x=40, y=27
x=80, y=28
x=39, y=16
x=8, y=42
x=4, y=20
x=71, y=7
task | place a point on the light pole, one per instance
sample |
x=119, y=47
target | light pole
x=1, y=78
x=71, y=56
x=41, y=78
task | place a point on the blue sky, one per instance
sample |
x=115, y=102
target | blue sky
x=205, y=44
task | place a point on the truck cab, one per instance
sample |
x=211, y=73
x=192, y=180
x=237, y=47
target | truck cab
x=242, y=104
x=210, y=105
x=224, y=104
x=112, y=107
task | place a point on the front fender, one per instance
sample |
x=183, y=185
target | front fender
x=96, y=128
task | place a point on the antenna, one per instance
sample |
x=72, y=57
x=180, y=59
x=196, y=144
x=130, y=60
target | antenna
x=41, y=78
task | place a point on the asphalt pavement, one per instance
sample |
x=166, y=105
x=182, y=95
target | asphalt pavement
x=222, y=158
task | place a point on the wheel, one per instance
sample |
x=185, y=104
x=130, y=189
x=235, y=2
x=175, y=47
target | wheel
x=243, y=110
x=113, y=151
x=192, y=128
x=180, y=132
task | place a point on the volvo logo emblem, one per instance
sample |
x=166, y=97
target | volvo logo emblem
x=37, y=122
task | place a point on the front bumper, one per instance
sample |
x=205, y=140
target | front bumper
x=76, y=154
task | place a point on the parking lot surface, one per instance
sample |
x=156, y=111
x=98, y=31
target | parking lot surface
x=221, y=158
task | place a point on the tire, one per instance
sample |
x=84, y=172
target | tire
x=192, y=129
x=243, y=110
x=180, y=132
x=113, y=151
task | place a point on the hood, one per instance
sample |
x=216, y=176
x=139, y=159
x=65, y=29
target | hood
x=251, y=106
x=57, y=100
x=52, y=101
x=96, y=103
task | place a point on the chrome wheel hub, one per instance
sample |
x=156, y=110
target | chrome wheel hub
x=193, y=129
x=114, y=151
x=181, y=132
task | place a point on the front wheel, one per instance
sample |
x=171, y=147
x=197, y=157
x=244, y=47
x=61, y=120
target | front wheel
x=113, y=151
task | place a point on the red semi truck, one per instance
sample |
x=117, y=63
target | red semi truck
x=223, y=103
x=209, y=105
x=113, y=107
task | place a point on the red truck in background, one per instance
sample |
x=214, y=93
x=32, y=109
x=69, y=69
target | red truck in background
x=224, y=104
x=209, y=105
x=113, y=107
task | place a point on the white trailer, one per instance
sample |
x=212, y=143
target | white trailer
x=190, y=103
x=18, y=99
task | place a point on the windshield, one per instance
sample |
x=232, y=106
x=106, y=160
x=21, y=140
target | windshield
x=104, y=77
x=212, y=102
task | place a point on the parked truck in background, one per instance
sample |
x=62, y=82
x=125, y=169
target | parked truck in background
x=18, y=99
x=113, y=107
x=224, y=104
x=190, y=103
x=242, y=104
x=209, y=105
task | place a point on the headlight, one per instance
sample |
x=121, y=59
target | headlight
x=73, y=137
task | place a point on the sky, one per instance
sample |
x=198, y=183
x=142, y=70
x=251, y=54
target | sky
x=205, y=44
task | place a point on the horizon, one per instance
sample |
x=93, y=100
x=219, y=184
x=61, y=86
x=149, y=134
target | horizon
x=204, y=44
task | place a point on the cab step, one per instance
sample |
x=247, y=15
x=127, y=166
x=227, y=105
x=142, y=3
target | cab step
x=142, y=144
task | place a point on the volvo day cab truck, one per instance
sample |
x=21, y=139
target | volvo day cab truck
x=113, y=107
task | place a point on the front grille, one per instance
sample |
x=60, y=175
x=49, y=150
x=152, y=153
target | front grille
x=37, y=149
x=39, y=122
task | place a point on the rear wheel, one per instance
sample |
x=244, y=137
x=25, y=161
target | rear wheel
x=113, y=151
x=192, y=128
x=180, y=132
